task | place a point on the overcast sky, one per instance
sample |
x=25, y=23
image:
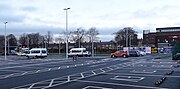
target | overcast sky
x=108, y=16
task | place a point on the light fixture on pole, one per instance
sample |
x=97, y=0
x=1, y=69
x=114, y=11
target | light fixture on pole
x=66, y=9
x=5, y=41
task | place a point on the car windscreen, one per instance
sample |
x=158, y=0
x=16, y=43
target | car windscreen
x=44, y=51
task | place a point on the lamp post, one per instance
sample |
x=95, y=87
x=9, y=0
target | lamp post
x=66, y=9
x=5, y=40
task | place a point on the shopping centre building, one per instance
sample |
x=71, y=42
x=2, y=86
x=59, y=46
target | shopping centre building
x=162, y=38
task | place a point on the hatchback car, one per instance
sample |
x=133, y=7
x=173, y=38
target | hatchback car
x=120, y=53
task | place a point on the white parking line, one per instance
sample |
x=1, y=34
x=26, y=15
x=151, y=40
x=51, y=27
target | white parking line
x=95, y=87
x=82, y=75
x=127, y=85
x=68, y=78
x=37, y=71
x=51, y=83
x=93, y=72
x=143, y=71
x=31, y=86
x=24, y=73
x=128, y=78
x=150, y=75
x=8, y=75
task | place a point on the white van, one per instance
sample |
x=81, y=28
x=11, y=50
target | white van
x=80, y=52
x=37, y=53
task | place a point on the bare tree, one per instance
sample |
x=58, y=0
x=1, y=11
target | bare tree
x=31, y=40
x=49, y=37
x=92, y=33
x=78, y=36
x=59, y=40
x=126, y=37
x=22, y=39
x=12, y=40
x=1, y=43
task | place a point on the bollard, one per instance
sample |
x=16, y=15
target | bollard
x=159, y=81
x=75, y=57
x=169, y=72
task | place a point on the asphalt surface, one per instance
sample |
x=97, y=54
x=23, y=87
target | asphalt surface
x=100, y=72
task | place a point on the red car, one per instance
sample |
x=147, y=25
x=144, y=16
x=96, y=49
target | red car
x=120, y=53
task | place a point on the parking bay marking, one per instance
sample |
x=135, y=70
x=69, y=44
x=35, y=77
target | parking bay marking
x=40, y=84
x=143, y=71
x=128, y=78
x=127, y=85
x=32, y=72
x=126, y=74
x=95, y=87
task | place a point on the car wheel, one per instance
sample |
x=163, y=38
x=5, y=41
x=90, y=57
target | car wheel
x=112, y=56
x=124, y=56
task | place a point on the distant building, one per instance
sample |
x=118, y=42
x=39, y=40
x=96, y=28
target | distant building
x=163, y=37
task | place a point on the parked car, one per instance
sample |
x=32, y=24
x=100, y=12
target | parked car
x=134, y=53
x=120, y=53
x=23, y=53
x=80, y=52
x=142, y=53
x=37, y=53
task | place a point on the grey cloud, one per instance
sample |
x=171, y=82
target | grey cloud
x=12, y=17
x=8, y=14
x=19, y=29
x=154, y=12
x=4, y=7
x=29, y=8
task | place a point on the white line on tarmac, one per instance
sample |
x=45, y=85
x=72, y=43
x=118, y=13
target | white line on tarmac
x=68, y=78
x=150, y=75
x=102, y=70
x=95, y=87
x=50, y=84
x=31, y=86
x=37, y=71
x=127, y=85
x=8, y=75
x=24, y=73
x=93, y=72
x=25, y=65
x=82, y=75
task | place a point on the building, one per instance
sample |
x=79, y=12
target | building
x=149, y=39
x=166, y=36
x=162, y=38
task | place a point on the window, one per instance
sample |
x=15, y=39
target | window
x=76, y=51
x=43, y=51
x=35, y=51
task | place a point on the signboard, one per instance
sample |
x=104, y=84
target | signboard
x=174, y=36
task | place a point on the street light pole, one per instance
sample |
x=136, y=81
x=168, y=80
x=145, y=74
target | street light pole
x=5, y=39
x=66, y=9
